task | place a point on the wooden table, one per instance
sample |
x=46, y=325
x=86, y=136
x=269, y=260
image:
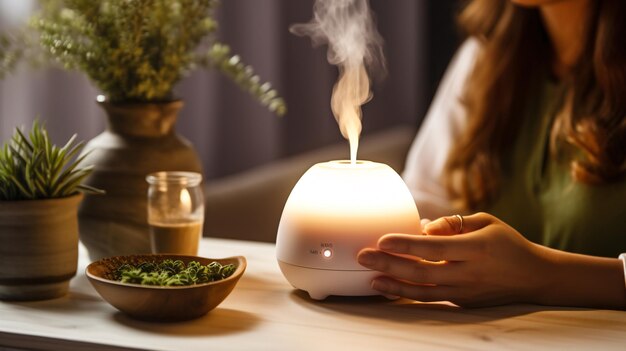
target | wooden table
x=265, y=313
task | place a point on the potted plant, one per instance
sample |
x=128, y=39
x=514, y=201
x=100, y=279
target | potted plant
x=136, y=52
x=40, y=189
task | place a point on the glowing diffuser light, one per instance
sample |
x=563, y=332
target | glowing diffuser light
x=336, y=209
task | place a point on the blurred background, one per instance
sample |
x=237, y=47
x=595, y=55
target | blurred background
x=229, y=129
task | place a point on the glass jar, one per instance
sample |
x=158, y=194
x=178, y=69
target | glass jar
x=175, y=212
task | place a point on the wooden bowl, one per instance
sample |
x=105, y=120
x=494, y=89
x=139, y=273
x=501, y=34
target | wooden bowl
x=162, y=303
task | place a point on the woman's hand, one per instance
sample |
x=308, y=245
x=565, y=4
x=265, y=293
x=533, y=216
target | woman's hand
x=489, y=263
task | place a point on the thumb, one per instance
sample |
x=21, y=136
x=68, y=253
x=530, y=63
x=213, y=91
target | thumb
x=457, y=224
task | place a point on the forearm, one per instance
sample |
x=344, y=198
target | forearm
x=580, y=280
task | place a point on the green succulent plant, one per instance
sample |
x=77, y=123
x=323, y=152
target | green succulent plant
x=32, y=168
x=136, y=51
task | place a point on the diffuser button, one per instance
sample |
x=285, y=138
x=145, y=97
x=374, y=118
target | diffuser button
x=328, y=253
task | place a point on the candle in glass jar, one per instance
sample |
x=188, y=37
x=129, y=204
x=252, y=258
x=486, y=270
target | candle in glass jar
x=175, y=212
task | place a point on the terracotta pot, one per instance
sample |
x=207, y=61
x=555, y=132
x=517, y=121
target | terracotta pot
x=140, y=139
x=39, y=250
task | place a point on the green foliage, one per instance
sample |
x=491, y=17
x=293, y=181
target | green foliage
x=32, y=168
x=173, y=273
x=19, y=44
x=10, y=53
x=138, y=50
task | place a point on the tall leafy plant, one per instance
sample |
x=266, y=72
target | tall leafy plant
x=31, y=167
x=136, y=51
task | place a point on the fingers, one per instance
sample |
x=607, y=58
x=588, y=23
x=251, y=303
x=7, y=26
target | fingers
x=417, y=271
x=433, y=248
x=390, y=286
x=424, y=222
x=456, y=224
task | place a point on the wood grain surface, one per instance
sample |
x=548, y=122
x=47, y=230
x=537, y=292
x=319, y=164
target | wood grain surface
x=265, y=313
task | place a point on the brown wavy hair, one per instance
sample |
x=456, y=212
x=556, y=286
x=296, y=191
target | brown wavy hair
x=514, y=59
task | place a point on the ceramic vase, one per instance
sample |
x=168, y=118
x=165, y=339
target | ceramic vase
x=140, y=139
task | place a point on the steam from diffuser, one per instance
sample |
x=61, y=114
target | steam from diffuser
x=355, y=47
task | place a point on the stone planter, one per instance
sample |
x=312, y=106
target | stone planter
x=140, y=139
x=39, y=247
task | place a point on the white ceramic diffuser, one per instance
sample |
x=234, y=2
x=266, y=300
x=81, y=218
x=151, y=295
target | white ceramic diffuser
x=335, y=210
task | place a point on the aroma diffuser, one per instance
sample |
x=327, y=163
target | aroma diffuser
x=336, y=209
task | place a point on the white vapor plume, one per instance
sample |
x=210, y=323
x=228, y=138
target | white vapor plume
x=355, y=47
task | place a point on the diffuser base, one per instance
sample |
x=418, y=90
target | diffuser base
x=321, y=283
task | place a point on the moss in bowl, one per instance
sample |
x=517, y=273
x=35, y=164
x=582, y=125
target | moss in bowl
x=157, y=302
